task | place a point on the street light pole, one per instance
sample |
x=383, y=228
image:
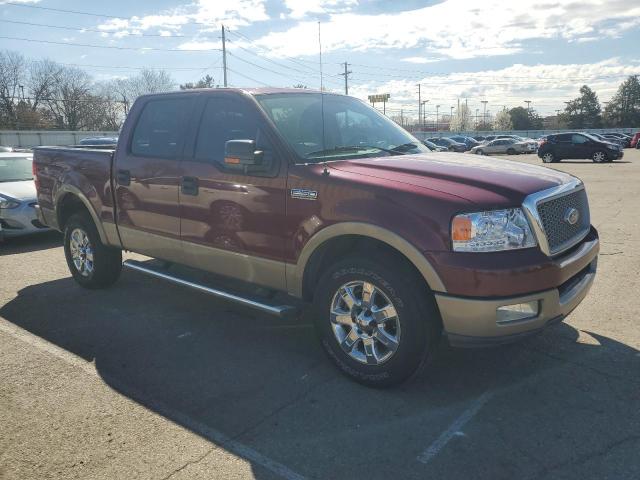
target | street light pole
x=424, y=112
x=484, y=113
x=437, y=109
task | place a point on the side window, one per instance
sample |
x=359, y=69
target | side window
x=578, y=139
x=224, y=119
x=563, y=138
x=161, y=128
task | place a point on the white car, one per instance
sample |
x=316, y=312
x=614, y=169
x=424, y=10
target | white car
x=502, y=145
x=17, y=196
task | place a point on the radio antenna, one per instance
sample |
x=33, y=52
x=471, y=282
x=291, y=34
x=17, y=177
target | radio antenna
x=324, y=146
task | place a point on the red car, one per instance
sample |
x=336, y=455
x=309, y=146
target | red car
x=635, y=139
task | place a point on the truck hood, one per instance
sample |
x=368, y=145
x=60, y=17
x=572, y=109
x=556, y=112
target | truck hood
x=486, y=181
x=23, y=190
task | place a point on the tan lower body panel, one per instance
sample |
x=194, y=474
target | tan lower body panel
x=478, y=318
x=248, y=268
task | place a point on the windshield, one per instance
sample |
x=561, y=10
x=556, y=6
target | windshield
x=352, y=129
x=14, y=169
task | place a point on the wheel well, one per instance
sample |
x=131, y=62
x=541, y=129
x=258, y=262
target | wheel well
x=336, y=248
x=67, y=206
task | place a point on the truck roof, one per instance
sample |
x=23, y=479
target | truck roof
x=249, y=90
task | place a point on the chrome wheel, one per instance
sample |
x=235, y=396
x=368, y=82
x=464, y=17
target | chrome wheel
x=599, y=157
x=81, y=252
x=547, y=158
x=365, y=323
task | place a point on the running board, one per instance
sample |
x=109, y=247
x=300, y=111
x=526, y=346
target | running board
x=283, y=311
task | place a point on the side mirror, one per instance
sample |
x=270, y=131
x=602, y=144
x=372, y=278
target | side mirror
x=242, y=153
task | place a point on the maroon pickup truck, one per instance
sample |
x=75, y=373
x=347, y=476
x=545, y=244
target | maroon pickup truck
x=292, y=196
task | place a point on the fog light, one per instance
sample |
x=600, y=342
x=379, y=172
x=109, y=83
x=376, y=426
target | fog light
x=517, y=312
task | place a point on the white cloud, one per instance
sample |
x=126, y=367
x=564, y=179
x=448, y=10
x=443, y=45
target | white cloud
x=419, y=60
x=208, y=14
x=456, y=29
x=305, y=8
x=547, y=86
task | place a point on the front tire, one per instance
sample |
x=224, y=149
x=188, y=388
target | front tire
x=549, y=158
x=378, y=323
x=479, y=152
x=91, y=263
x=511, y=151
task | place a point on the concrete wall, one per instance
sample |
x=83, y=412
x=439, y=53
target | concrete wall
x=36, y=138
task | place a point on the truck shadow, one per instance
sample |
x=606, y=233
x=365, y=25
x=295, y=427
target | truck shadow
x=226, y=373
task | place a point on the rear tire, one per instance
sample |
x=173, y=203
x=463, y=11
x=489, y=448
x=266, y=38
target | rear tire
x=361, y=334
x=599, y=157
x=91, y=263
x=511, y=151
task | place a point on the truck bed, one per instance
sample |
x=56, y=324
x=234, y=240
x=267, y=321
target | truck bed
x=82, y=171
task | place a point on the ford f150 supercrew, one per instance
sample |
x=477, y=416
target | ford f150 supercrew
x=319, y=198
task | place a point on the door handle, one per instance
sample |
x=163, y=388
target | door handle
x=189, y=186
x=124, y=178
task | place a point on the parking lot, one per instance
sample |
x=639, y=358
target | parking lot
x=149, y=380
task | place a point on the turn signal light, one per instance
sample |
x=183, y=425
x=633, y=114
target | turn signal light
x=461, y=229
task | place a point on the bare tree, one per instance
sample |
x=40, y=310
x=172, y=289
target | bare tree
x=43, y=77
x=71, y=98
x=147, y=81
x=12, y=75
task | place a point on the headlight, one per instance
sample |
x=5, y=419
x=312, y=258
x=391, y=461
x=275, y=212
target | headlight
x=8, y=202
x=491, y=231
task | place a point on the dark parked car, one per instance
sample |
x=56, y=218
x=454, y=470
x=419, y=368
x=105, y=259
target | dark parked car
x=449, y=144
x=99, y=141
x=578, y=145
x=433, y=147
x=599, y=136
x=626, y=141
x=468, y=141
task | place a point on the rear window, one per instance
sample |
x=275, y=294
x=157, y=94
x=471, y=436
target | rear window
x=161, y=128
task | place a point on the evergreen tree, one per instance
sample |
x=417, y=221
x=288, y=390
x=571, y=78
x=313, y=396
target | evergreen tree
x=584, y=111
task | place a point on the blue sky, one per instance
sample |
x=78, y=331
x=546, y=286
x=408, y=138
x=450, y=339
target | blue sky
x=502, y=52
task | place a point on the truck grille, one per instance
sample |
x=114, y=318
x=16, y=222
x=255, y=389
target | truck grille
x=561, y=234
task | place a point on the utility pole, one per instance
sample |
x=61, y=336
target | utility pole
x=528, y=102
x=424, y=112
x=437, y=111
x=558, y=119
x=419, y=107
x=402, y=117
x=477, y=110
x=484, y=113
x=346, y=78
x=224, y=57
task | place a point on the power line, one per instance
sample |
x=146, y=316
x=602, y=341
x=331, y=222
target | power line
x=249, y=78
x=82, y=29
x=60, y=10
x=111, y=46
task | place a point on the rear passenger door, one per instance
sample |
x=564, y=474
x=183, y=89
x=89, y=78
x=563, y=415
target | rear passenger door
x=564, y=146
x=581, y=146
x=232, y=217
x=147, y=173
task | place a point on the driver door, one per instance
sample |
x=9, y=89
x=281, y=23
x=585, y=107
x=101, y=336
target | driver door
x=232, y=218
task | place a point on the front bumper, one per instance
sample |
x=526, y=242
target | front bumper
x=21, y=220
x=471, y=321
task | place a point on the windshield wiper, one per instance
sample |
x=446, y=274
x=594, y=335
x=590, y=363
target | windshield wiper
x=404, y=147
x=345, y=148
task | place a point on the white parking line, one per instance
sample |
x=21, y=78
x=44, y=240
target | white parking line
x=455, y=428
x=205, y=431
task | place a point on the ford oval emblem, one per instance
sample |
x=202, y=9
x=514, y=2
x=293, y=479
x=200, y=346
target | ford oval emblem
x=571, y=216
